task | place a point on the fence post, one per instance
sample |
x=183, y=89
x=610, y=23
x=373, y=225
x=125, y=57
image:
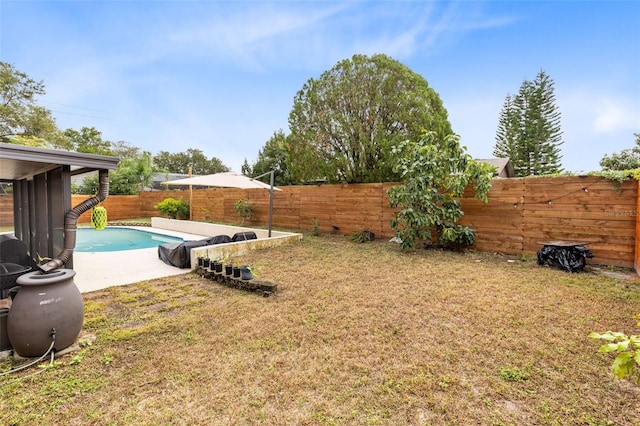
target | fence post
x=636, y=257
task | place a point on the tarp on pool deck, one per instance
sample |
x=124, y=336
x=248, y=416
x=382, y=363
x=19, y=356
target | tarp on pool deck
x=179, y=254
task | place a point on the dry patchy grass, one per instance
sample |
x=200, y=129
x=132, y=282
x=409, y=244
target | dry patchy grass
x=356, y=334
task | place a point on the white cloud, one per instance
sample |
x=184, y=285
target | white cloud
x=251, y=37
x=614, y=115
x=594, y=124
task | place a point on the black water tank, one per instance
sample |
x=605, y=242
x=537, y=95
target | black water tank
x=9, y=273
x=4, y=336
x=13, y=250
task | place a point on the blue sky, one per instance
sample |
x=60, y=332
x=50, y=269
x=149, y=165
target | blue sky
x=220, y=76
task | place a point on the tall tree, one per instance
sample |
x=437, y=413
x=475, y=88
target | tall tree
x=135, y=169
x=179, y=162
x=87, y=140
x=123, y=149
x=627, y=159
x=344, y=124
x=273, y=156
x=529, y=131
x=507, y=136
x=134, y=173
x=21, y=120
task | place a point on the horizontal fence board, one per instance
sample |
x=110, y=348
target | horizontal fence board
x=535, y=221
x=582, y=215
x=583, y=233
x=499, y=247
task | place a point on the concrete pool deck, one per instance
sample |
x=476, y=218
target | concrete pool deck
x=96, y=271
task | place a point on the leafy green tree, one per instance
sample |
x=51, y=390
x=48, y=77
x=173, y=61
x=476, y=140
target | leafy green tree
x=179, y=162
x=131, y=177
x=88, y=140
x=123, y=149
x=435, y=171
x=133, y=174
x=273, y=156
x=33, y=141
x=345, y=124
x=529, y=131
x=19, y=115
x=89, y=184
x=246, y=168
x=627, y=159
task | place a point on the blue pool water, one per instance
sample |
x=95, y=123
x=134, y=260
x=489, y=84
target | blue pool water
x=119, y=239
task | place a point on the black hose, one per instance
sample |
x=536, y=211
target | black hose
x=71, y=223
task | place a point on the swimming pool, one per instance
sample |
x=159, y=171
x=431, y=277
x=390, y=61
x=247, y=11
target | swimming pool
x=119, y=239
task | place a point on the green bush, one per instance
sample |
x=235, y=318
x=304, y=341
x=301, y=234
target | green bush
x=175, y=209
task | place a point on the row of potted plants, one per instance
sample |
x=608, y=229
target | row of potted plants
x=236, y=276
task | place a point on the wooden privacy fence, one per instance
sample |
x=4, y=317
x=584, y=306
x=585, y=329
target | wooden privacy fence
x=520, y=213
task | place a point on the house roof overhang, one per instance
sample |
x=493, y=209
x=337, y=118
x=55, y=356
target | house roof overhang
x=18, y=162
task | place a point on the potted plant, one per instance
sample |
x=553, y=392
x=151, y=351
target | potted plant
x=246, y=273
x=216, y=265
x=200, y=257
x=236, y=272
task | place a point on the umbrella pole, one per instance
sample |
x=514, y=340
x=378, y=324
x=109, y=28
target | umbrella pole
x=190, y=196
x=270, y=201
x=271, y=183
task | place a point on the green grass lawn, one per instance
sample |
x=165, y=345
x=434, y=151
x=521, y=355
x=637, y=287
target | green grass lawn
x=357, y=334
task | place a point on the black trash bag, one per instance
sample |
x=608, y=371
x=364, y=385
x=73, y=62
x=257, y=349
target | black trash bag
x=570, y=259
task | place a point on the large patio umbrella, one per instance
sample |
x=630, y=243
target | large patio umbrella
x=231, y=180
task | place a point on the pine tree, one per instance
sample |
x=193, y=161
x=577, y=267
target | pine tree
x=508, y=132
x=529, y=130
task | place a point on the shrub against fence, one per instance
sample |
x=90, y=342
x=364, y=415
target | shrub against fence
x=520, y=212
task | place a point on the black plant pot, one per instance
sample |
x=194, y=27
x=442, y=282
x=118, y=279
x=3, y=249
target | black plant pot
x=228, y=270
x=218, y=267
x=245, y=273
x=236, y=272
x=205, y=262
